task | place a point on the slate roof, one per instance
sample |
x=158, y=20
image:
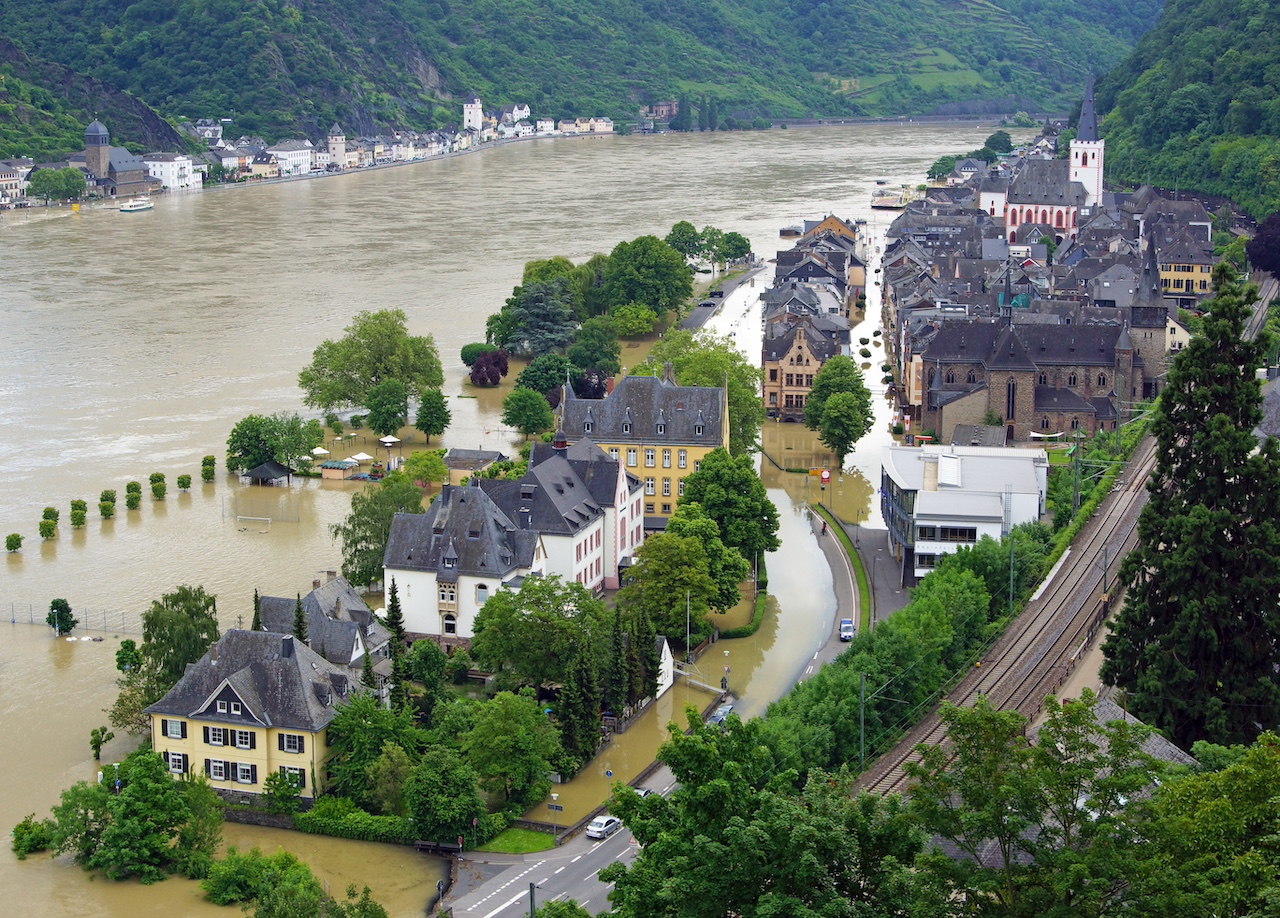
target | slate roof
x=281, y=682
x=822, y=338
x=472, y=459
x=596, y=468
x=464, y=526
x=1046, y=182
x=550, y=498
x=335, y=616
x=1049, y=398
x=269, y=471
x=643, y=402
x=1088, y=126
x=988, y=344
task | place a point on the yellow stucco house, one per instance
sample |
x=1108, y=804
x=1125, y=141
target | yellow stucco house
x=661, y=430
x=254, y=704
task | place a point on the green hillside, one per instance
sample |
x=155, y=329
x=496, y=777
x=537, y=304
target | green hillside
x=1195, y=105
x=284, y=66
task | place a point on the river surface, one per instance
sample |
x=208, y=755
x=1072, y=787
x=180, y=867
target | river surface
x=132, y=344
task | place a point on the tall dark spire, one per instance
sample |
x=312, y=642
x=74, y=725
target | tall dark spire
x=1149, y=292
x=1088, y=128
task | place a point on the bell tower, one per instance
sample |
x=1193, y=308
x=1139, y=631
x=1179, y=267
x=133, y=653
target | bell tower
x=97, y=149
x=1088, y=149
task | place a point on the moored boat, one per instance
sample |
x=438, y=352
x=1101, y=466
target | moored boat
x=136, y=205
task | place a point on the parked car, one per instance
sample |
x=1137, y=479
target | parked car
x=720, y=714
x=846, y=629
x=603, y=826
x=643, y=792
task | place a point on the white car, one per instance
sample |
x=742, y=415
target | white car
x=603, y=826
x=846, y=629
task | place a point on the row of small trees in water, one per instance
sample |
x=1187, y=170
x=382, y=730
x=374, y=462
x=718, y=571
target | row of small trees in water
x=107, y=503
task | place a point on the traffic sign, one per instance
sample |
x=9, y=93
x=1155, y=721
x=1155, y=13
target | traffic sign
x=555, y=807
x=826, y=476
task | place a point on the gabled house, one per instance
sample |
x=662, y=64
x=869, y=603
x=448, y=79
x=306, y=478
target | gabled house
x=340, y=626
x=448, y=561
x=793, y=358
x=254, y=704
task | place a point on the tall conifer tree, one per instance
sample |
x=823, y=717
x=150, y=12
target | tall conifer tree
x=299, y=621
x=1197, y=644
x=395, y=619
x=256, y=625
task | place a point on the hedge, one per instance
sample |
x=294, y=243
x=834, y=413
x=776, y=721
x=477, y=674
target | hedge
x=357, y=825
x=756, y=619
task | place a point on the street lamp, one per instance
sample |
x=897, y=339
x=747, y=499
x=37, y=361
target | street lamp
x=554, y=822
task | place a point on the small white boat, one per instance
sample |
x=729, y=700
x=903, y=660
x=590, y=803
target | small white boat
x=136, y=205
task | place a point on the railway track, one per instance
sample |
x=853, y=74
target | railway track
x=1042, y=645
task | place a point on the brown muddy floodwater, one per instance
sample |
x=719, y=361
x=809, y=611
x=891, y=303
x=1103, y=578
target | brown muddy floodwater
x=133, y=343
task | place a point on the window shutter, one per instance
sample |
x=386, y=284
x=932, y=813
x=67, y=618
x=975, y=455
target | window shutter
x=183, y=725
x=302, y=743
x=208, y=768
x=164, y=727
x=302, y=778
x=252, y=740
x=206, y=737
x=280, y=742
x=253, y=774
x=184, y=763
x=233, y=771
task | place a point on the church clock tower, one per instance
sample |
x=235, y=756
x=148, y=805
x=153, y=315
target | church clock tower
x=97, y=149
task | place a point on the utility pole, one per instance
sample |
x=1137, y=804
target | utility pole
x=532, y=908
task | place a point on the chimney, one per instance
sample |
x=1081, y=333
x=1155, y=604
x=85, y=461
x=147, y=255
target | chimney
x=332, y=575
x=315, y=584
x=213, y=653
x=668, y=373
x=286, y=646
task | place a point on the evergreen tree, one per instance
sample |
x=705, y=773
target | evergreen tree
x=299, y=621
x=256, y=625
x=579, y=709
x=702, y=115
x=367, y=676
x=395, y=620
x=399, y=683
x=645, y=638
x=614, y=688
x=1195, y=646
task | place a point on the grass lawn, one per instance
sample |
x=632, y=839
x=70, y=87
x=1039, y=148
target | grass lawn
x=864, y=587
x=518, y=841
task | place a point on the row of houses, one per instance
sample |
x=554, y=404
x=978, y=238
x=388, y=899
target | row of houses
x=805, y=314
x=1025, y=292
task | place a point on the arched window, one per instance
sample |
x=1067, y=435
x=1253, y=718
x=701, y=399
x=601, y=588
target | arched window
x=482, y=593
x=973, y=377
x=951, y=378
x=1043, y=380
x=1102, y=379
x=1044, y=217
x=1013, y=217
x=1057, y=219
x=451, y=624
x=1010, y=400
x=1044, y=423
x=1071, y=379
x=1075, y=423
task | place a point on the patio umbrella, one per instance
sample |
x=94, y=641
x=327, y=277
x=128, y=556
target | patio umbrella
x=361, y=457
x=388, y=440
x=319, y=451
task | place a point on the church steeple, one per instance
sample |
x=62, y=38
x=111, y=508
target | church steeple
x=1088, y=128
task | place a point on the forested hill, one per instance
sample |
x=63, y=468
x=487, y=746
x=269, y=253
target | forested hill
x=279, y=67
x=1195, y=105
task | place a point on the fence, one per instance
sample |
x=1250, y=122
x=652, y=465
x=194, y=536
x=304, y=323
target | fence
x=115, y=621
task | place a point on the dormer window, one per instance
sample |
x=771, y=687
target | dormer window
x=697, y=430
x=450, y=562
x=626, y=428
x=586, y=427
x=662, y=428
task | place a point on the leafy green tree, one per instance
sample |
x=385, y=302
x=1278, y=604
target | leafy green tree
x=533, y=633
x=283, y=437
x=1056, y=802
x=511, y=747
x=177, y=630
x=427, y=663
x=732, y=494
x=631, y=320
x=471, y=352
x=395, y=620
x=647, y=271
x=60, y=618
x=562, y=908
x=846, y=419
x=376, y=347
x=366, y=529
x=368, y=678
x=737, y=830
x=527, y=411
x=143, y=820
x=671, y=582
x=685, y=239
x=595, y=346
x=426, y=467
x=387, y=775
x=99, y=737
x=704, y=359
x=388, y=404
x=735, y=246
x=128, y=656
x=359, y=732
x=1195, y=646
x=544, y=373
x=56, y=184
x=838, y=374
x=614, y=681
x=442, y=795
x=13, y=542
x=281, y=791
x=433, y=414
x=726, y=565
x=999, y=142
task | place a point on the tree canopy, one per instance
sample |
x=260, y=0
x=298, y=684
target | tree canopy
x=388, y=404
x=646, y=270
x=527, y=411
x=731, y=493
x=377, y=347
x=671, y=584
x=177, y=630
x=284, y=437
x=538, y=318
x=725, y=565
x=366, y=529
x=511, y=746
x=1196, y=645
x=433, y=414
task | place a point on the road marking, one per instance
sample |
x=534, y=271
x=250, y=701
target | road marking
x=808, y=669
x=508, y=904
x=576, y=859
x=559, y=869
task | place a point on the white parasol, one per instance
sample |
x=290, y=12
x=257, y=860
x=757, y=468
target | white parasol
x=319, y=451
x=361, y=457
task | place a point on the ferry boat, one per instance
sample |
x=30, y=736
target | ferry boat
x=136, y=205
x=890, y=200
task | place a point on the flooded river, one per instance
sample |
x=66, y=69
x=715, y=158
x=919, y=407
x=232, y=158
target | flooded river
x=131, y=344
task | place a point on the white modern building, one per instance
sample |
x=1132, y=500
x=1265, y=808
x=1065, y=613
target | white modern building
x=174, y=171
x=937, y=499
x=293, y=156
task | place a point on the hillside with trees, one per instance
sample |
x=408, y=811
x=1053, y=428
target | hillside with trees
x=278, y=68
x=1194, y=106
